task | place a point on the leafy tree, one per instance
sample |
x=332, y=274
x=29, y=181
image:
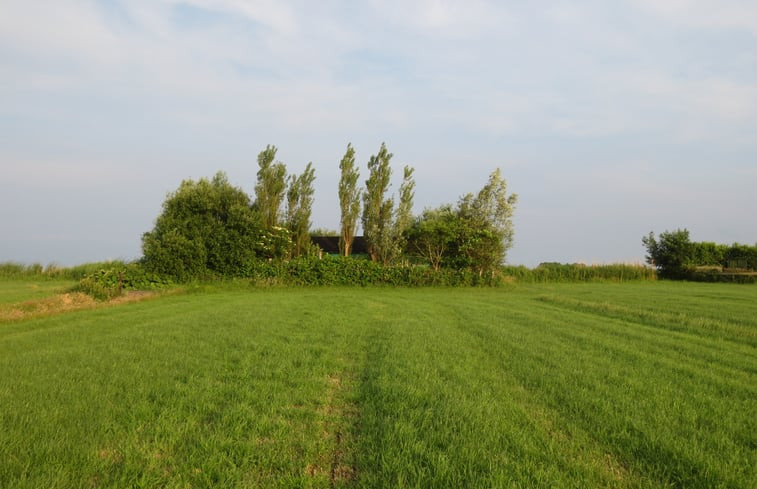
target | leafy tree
x=671, y=253
x=300, y=208
x=377, y=208
x=433, y=234
x=270, y=187
x=206, y=226
x=404, y=215
x=476, y=235
x=487, y=230
x=349, y=200
x=383, y=226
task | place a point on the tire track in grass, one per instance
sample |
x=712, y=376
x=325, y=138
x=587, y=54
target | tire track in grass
x=692, y=403
x=571, y=445
x=445, y=418
x=683, y=352
x=739, y=334
x=671, y=465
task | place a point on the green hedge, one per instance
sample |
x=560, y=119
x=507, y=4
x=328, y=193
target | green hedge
x=715, y=275
x=337, y=270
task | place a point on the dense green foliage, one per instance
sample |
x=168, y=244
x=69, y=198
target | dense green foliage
x=206, y=226
x=644, y=385
x=340, y=270
x=211, y=229
x=476, y=235
x=677, y=257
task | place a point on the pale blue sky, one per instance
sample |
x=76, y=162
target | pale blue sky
x=609, y=119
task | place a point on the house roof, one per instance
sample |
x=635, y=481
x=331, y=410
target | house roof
x=330, y=244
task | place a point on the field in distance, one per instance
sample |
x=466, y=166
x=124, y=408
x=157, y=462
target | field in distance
x=571, y=385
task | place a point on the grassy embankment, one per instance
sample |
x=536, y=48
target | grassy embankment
x=574, y=385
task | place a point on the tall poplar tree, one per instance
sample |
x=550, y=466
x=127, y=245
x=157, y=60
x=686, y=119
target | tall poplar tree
x=377, y=209
x=349, y=200
x=383, y=226
x=404, y=214
x=270, y=187
x=300, y=208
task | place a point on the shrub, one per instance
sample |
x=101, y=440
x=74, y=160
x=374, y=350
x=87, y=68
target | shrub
x=107, y=283
x=206, y=227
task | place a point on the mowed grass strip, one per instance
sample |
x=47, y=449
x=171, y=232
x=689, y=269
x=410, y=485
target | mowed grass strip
x=530, y=387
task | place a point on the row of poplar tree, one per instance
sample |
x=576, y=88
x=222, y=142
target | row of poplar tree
x=212, y=226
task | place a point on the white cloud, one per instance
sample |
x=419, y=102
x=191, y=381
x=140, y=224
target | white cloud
x=712, y=14
x=274, y=14
x=450, y=19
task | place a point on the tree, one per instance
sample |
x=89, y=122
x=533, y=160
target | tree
x=349, y=200
x=487, y=229
x=671, y=254
x=377, y=209
x=300, y=208
x=475, y=235
x=206, y=226
x=404, y=215
x=433, y=234
x=270, y=187
x=383, y=226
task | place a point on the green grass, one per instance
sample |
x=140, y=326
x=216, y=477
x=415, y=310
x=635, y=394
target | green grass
x=20, y=290
x=583, y=385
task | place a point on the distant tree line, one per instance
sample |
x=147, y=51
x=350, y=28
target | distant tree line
x=210, y=227
x=676, y=257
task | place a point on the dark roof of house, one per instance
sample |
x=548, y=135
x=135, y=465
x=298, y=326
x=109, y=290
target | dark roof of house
x=330, y=244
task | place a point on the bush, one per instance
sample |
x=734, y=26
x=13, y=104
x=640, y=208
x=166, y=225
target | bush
x=107, y=283
x=206, y=227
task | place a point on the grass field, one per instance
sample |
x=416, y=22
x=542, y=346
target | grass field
x=18, y=290
x=572, y=385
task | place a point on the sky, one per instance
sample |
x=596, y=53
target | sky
x=608, y=119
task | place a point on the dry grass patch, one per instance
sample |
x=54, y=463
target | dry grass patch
x=58, y=304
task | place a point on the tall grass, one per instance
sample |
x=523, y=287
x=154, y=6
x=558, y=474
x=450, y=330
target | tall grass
x=561, y=273
x=13, y=270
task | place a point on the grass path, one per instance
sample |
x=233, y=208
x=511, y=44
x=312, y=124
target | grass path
x=592, y=385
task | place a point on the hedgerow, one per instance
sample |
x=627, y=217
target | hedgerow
x=338, y=270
